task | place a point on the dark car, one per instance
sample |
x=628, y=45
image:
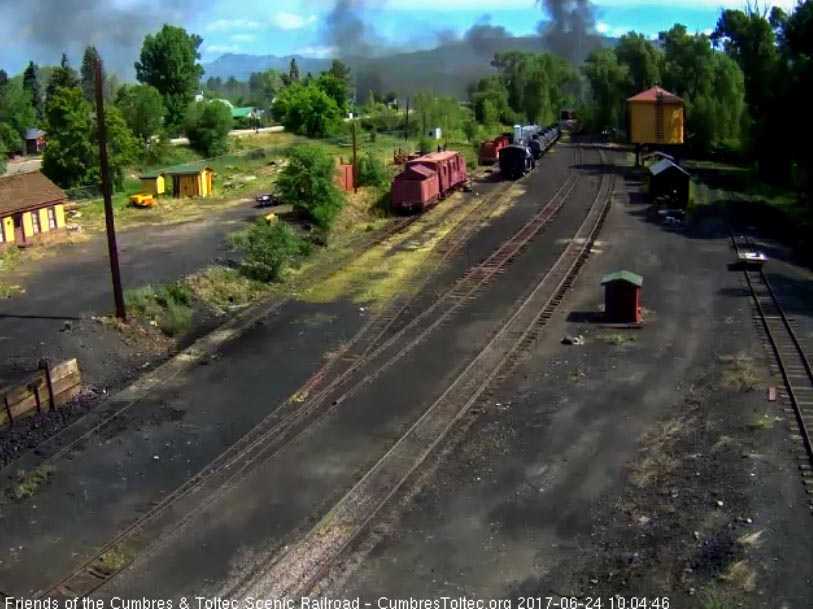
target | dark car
x=266, y=200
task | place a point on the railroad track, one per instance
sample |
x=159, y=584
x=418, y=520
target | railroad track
x=788, y=354
x=297, y=569
x=314, y=400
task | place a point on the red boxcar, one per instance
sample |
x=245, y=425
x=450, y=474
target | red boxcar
x=427, y=179
x=415, y=188
x=490, y=151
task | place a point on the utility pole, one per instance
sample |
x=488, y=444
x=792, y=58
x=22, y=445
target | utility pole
x=355, y=159
x=406, y=128
x=107, y=190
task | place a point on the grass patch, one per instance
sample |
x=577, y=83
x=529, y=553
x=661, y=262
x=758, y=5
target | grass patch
x=115, y=558
x=617, y=339
x=741, y=576
x=763, y=422
x=740, y=373
x=316, y=319
x=222, y=287
x=168, y=306
x=658, y=462
x=714, y=598
x=27, y=485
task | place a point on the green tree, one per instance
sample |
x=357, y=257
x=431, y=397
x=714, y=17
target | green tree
x=62, y=77
x=88, y=72
x=31, y=84
x=308, y=183
x=122, y=148
x=263, y=86
x=207, y=126
x=69, y=157
x=3, y=78
x=306, y=110
x=688, y=67
x=143, y=109
x=10, y=142
x=16, y=110
x=293, y=72
x=608, y=80
x=336, y=89
x=169, y=62
x=642, y=60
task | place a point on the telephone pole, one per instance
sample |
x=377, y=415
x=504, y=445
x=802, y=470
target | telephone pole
x=355, y=159
x=107, y=191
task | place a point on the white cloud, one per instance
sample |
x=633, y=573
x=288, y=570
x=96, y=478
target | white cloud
x=222, y=25
x=319, y=52
x=291, y=21
x=708, y=32
x=450, y=5
x=602, y=28
x=612, y=31
x=221, y=48
x=243, y=37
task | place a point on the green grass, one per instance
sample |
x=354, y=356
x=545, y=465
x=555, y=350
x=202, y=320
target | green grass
x=9, y=257
x=221, y=287
x=28, y=485
x=115, y=558
x=167, y=306
x=714, y=598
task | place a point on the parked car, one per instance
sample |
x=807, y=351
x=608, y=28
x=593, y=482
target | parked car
x=266, y=200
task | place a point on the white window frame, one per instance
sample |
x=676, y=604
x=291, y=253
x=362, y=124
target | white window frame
x=51, y=218
x=36, y=228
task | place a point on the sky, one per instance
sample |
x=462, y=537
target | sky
x=40, y=30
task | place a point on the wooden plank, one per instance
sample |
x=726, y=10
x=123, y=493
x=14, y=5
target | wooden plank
x=64, y=389
x=771, y=394
x=58, y=371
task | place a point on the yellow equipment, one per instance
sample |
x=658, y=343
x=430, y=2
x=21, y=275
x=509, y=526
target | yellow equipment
x=142, y=200
x=271, y=218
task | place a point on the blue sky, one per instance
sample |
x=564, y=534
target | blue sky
x=283, y=27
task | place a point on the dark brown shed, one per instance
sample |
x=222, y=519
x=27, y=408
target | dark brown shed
x=622, y=297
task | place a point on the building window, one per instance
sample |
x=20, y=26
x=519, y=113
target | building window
x=35, y=222
x=2, y=237
x=51, y=218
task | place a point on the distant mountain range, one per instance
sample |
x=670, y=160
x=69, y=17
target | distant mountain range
x=447, y=69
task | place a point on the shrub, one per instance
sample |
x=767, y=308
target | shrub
x=425, y=145
x=207, y=126
x=308, y=183
x=268, y=249
x=371, y=171
x=168, y=306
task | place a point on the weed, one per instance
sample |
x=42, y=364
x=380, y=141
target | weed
x=223, y=287
x=741, y=575
x=316, y=319
x=714, y=598
x=269, y=249
x=167, y=305
x=577, y=375
x=29, y=484
x=115, y=558
x=7, y=290
x=763, y=422
x=739, y=372
x=618, y=339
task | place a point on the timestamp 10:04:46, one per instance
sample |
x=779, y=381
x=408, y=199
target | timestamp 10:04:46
x=610, y=602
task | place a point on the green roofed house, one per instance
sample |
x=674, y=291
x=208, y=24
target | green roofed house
x=245, y=112
x=622, y=297
x=191, y=180
x=153, y=182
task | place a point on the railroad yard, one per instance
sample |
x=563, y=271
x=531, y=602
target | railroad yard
x=481, y=434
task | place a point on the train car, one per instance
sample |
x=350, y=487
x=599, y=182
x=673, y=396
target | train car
x=489, y=152
x=515, y=161
x=427, y=179
x=415, y=189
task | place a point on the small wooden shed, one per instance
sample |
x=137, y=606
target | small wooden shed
x=153, y=182
x=191, y=180
x=622, y=297
x=345, y=176
x=668, y=179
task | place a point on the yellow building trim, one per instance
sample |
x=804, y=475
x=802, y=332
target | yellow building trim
x=7, y=226
x=28, y=225
x=45, y=226
x=60, y=216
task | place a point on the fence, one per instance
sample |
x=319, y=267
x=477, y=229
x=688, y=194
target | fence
x=48, y=389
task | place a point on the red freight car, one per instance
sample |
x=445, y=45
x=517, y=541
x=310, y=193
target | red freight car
x=427, y=179
x=415, y=188
x=489, y=152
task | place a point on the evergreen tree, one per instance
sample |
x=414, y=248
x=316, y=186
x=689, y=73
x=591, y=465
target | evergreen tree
x=293, y=71
x=31, y=84
x=64, y=77
x=89, y=72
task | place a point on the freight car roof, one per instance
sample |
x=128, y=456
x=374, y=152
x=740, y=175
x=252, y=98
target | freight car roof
x=437, y=156
x=423, y=172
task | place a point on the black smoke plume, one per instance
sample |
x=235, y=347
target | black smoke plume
x=51, y=27
x=570, y=30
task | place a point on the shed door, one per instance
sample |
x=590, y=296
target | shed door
x=19, y=236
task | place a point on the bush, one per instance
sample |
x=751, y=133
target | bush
x=268, y=248
x=167, y=305
x=207, y=126
x=307, y=110
x=308, y=183
x=371, y=171
x=425, y=145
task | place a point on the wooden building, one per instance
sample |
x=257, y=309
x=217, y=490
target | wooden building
x=31, y=209
x=656, y=116
x=670, y=181
x=191, y=180
x=153, y=182
x=622, y=297
x=34, y=141
x=345, y=177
